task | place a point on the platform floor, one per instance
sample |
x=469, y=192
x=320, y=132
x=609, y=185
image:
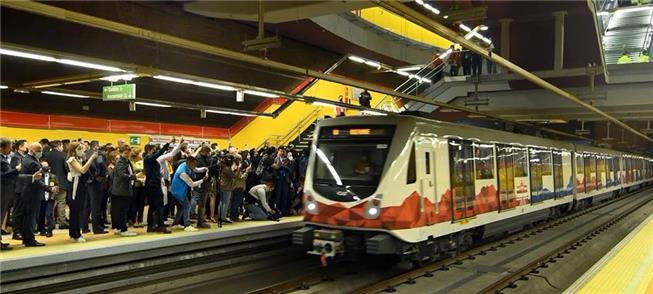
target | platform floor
x=627, y=268
x=61, y=247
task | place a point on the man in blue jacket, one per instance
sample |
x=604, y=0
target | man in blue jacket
x=181, y=182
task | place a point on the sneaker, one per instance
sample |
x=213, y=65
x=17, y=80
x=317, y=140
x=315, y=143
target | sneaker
x=78, y=240
x=190, y=229
x=178, y=227
x=116, y=232
x=127, y=234
x=168, y=222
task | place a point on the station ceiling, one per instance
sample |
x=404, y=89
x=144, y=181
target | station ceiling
x=228, y=23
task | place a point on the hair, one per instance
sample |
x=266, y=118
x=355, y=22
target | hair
x=95, y=143
x=205, y=149
x=18, y=144
x=5, y=142
x=44, y=141
x=112, y=156
x=191, y=158
x=65, y=141
x=124, y=148
x=55, y=143
x=149, y=147
x=135, y=152
x=72, y=148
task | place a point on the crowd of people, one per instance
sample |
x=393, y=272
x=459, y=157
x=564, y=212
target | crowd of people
x=87, y=187
x=470, y=62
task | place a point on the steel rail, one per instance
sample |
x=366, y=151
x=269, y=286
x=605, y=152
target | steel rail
x=435, y=27
x=129, y=30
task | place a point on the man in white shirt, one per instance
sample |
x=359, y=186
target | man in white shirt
x=257, y=207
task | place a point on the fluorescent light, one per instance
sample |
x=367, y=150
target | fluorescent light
x=173, y=79
x=420, y=2
x=435, y=10
x=403, y=73
x=88, y=65
x=356, y=59
x=465, y=28
x=410, y=68
x=3, y=87
x=200, y=84
x=261, y=94
x=63, y=60
x=443, y=55
x=373, y=63
x=602, y=13
x=215, y=86
x=27, y=55
x=425, y=80
x=153, y=104
x=115, y=78
x=484, y=28
x=64, y=94
x=446, y=16
x=240, y=96
x=229, y=112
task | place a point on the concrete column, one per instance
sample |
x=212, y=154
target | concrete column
x=559, y=49
x=505, y=37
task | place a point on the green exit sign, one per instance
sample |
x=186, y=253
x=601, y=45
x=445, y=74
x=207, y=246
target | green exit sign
x=119, y=92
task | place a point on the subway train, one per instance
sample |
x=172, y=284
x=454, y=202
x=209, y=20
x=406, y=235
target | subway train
x=421, y=189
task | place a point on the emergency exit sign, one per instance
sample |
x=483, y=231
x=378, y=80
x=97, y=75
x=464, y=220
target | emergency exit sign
x=119, y=92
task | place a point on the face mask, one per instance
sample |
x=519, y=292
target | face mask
x=38, y=155
x=79, y=153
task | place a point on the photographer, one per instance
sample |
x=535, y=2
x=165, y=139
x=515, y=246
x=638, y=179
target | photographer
x=46, y=213
x=97, y=175
x=181, y=181
x=256, y=206
x=198, y=198
x=227, y=183
x=241, y=170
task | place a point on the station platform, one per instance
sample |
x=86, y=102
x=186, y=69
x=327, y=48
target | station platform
x=61, y=253
x=627, y=268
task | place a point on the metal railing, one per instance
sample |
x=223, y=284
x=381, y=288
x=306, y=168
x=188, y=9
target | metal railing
x=297, y=129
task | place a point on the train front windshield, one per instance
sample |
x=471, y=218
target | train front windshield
x=349, y=161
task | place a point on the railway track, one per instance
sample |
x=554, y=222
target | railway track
x=523, y=253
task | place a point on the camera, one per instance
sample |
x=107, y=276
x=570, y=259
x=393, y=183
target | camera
x=45, y=169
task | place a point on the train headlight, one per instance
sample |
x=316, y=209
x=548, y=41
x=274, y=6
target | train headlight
x=311, y=207
x=373, y=211
x=373, y=208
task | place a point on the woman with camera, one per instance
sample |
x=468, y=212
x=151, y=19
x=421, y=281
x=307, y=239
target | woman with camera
x=77, y=176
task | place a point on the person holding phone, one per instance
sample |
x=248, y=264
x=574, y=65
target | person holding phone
x=77, y=176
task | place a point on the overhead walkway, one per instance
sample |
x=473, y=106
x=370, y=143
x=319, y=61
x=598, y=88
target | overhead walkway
x=627, y=29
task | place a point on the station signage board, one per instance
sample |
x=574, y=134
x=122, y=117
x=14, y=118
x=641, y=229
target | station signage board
x=119, y=92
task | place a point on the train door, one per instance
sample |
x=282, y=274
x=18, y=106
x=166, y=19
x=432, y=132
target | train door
x=600, y=175
x=505, y=170
x=558, y=179
x=520, y=169
x=580, y=173
x=426, y=171
x=461, y=161
x=486, y=198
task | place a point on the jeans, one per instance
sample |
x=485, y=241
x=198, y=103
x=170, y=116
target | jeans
x=453, y=70
x=491, y=67
x=183, y=213
x=256, y=212
x=225, y=200
x=199, y=200
x=137, y=205
x=236, y=203
x=155, y=212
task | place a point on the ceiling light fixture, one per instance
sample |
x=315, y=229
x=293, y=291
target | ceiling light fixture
x=196, y=83
x=445, y=17
x=230, y=113
x=420, y=2
x=57, y=60
x=409, y=68
x=240, y=96
x=154, y=104
x=115, y=78
x=356, y=59
x=373, y=64
x=64, y=94
x=261, y=94
x=3, y=87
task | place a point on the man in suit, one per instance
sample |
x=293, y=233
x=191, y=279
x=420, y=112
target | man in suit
x=7, y=182
x=57, y=160
x=33, y=191
x=45, y=223
x=20, y=151
x=122, y=191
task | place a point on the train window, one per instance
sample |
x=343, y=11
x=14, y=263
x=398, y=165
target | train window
x=427, y=161
x=411, y=176
x=535, y=165
x=461, y=159
x=590, y=172
x=580, y=166
x=505, y=162
x=608, y=171
x=521, y=162
x=545, y=158
x=484, y=161
x=558, y=179
x=600, y=168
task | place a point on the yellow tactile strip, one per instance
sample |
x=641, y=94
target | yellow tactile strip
x=628, y=268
